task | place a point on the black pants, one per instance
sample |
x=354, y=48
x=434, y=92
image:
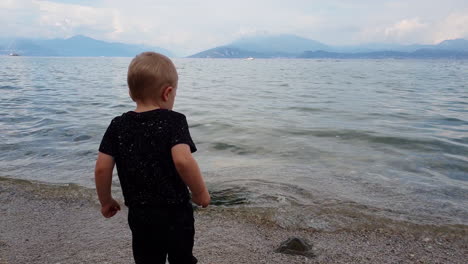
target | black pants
x=158, y=232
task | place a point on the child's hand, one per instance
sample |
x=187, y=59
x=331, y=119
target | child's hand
x=110, y=209
x=202, y=199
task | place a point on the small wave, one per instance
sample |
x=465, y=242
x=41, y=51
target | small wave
x=397, y=115
x=234, y=195
x=233, y=148
x=291, y=206
x=17, y=119
x=33, y=131
x=51, y=190
x=82, y=138
x=86, y=153
x=419, y=144
x=258, y=191
x=8, y=87
x=422, y=144
x=452, y=168
x=450, y=121
x=9, y=147
x=305, y=109
x=120, y=106
x=45, y=122
x=193, y=125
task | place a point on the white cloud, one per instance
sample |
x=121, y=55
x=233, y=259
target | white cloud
x=13, y=4
x=453, y=26
x=413, y=30
x=69, y=19
x=402, y=29
x=188, y=26
x=50, y=19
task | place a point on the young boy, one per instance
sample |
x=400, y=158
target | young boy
x=152, y=149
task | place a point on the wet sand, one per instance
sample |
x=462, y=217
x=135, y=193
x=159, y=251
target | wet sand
x=62, y=224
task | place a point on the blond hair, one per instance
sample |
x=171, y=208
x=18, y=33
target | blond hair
x=148, y=74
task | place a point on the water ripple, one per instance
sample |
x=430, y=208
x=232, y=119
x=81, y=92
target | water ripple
x=378, y=133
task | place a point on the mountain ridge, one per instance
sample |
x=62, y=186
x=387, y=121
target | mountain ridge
x=75, y=46
x=263, y=47
x=417, y=54
x=283, y=43
x=257, y=46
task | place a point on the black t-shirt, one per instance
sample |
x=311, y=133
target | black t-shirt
x=141, y=146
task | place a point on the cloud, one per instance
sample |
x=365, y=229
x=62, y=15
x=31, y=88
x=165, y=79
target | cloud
x=403, y=29
x=453, y=26
x=191, y=26
x=413, y=30
x=188, y=26
x=48, y=19
x=57, y=19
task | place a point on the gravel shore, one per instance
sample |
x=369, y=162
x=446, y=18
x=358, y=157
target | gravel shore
x=62, y=224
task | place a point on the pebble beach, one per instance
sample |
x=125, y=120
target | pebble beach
x=43, y=223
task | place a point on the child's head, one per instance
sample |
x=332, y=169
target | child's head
x=152, y=78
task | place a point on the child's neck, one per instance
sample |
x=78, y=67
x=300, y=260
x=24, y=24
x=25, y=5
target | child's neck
x=143, y=107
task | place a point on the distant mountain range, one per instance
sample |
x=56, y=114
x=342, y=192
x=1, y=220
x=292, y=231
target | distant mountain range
x=418, y=54
x=77, y=46
x=262, y=46
x=291, y=46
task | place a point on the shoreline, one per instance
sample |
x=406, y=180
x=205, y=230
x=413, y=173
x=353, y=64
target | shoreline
x=47, y=223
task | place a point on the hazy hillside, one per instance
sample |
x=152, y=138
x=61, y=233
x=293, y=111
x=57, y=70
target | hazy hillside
x=291, y=46
x=228, y=52
x=277, y=43
x=418, y=54
x=77, y=46
x=262, y=46
x=454, y=44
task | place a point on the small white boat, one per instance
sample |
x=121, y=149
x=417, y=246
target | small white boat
x=249, y=58
x=13, y=54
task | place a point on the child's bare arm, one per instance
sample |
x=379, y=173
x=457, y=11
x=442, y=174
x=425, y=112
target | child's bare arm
x=103, y=178
x=190, y=173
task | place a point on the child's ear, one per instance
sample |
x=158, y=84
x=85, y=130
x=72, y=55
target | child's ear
x=166, y=92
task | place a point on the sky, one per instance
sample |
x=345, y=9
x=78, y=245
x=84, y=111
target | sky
x=190, y=26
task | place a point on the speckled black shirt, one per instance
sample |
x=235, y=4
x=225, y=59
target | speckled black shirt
x=141, y=146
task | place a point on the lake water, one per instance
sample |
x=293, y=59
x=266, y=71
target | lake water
x=312, y=143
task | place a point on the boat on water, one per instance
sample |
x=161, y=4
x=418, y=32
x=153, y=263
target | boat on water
x=11, y=48
x=249, y=58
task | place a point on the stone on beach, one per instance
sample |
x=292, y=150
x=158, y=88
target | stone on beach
x=295, y=246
